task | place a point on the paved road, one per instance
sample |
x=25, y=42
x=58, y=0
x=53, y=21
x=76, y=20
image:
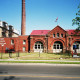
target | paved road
x=39, y=72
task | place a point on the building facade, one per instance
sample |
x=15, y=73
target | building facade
x=7, y=30
x=56, y=40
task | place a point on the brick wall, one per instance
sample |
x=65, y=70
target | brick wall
x=26, y=43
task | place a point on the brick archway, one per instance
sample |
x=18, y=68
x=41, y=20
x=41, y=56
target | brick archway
x=60, y=46
x=60, y=40
x=57, y=47
x=39, y=41
x=76, y=43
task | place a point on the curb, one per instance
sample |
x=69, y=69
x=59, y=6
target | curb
x=39, y=60
x=41, y=64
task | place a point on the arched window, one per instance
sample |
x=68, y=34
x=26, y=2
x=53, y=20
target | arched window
x=57, y=47
x=61, y=35
x=76, y=46
x=53, y=35
x=38, y=47
x=57, y=34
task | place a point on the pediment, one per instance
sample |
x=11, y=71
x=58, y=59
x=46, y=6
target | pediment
x=57, y=29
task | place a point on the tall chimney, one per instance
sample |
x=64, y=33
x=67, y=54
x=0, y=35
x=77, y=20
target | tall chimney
x=23, y=23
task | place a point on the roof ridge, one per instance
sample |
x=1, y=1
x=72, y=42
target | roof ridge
x=39, y=32
x=36, y=30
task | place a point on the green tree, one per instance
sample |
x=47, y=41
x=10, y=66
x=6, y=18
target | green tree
x=76, y=21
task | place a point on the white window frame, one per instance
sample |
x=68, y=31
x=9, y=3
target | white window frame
x=24, y=49
x=12, y=42
x=24, y=42
x=38, y=45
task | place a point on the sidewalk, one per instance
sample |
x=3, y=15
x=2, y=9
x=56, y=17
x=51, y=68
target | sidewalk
x=39, y=60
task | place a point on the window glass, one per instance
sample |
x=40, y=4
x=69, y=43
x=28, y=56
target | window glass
x=24, y=49
x=61, y=35
x=57, y=46
x=38, y=46
x=77, y=46
x=54, y=46
x=24, y=41
x=12, y=42
x=61, y=46
x=41, y=47
x=57, y=34
x=35, y=46
x=53, y=35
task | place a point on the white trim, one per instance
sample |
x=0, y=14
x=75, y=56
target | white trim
x=38, y=47
x=57, y=48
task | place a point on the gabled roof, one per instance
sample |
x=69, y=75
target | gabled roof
x=39, y=32
x=57, y=28
x=44, y=32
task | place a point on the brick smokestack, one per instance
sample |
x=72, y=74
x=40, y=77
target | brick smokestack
x=23, y=23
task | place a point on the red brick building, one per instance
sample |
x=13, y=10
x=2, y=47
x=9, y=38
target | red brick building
x=52, y=41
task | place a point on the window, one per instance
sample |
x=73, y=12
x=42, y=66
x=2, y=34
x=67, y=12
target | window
x=38, y=45
x=54, y=46
x=53, y=35
x=61, y=35
x=75, y=46
x=61, y=46
x=3, y=34
x=35, y=46
x=24, y=41
x=12, y=42
x=57, y=46
x=57, y=34
x=41, y=46
x=24, y=49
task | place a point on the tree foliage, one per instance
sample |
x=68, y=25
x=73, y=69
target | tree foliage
x=76, y=21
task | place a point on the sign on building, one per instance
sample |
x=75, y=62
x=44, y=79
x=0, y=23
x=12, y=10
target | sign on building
x=2, y=41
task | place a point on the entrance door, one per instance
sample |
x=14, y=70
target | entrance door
x=76, y=46
x=57, y=47
x=38, y=47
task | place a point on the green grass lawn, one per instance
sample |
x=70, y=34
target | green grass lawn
x=37, y=56
x=49, y=62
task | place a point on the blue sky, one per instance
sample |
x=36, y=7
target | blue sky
x=40, y=14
